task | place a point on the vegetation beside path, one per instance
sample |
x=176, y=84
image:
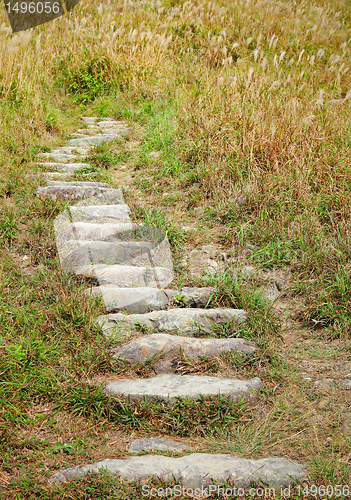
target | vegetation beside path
x=249, y=103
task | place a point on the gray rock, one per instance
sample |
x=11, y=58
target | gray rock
x=60, y=157
x=90, y=231
x=50, y=176
x=108, y=253
x=210, y=250
x=80, y=184
x=86, y=132
x=346, y=425
x=156, y=443
x=346, y=384
x=155, y=154
x=64, y=167
x=325, y=385
x=111, y=196
x=122, y=131
x=143, y=348
x=185, y=321
x=97, y=139
x=201, y=259
x=198, y=470
x=170, y=387
x=90, y=119
x=111, y=123
x=196, y=297
x=72, y=190
x=131, y=300
x=68, y=150
x=126, y=276
x=101, y=213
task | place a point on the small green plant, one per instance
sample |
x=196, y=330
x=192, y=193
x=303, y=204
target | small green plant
x=91, y=80
x=141, y=328
x=8, y=228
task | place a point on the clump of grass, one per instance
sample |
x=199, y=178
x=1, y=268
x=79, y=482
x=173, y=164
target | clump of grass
x=233, y=289
x=104, y=156
x=183, y=418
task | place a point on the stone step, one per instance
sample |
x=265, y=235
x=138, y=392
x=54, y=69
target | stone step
x=64, y=167
x=72, y=190
x=111, y=123
x=199, y=472
x=126, y=276
x=68, y=150
x=172, y=346
x=169, y=387
x=90, y=119
x=123, y=231
x=105, y=252
x=192, y=296
x=97, y=131
x=60, y=157
x=57, y=176
x=130, y=300
x=156, y=444
x=144, y=300
x=83, y=141
x=185, y=321
x=88, y=131
x=101, y=213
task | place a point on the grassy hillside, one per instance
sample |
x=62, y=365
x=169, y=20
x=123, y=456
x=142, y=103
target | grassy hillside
x=250, y=104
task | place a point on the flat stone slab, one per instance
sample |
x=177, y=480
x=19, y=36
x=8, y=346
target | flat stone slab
x=127, y=276
x=64, y=167
x=168, y=387
x=91, y=231
x=108, y=253
x=60, y=157
x=68, y=150
x=198, y=470
x=90, y=119
x=131, y=300
x=101, y=213
x=147, y=346
x=185, y=321
x=96, y=139
x=72, y=190
x=156, y=443
x=192, y=296
x=111, y=123
x=97, y=131
x=346, y=384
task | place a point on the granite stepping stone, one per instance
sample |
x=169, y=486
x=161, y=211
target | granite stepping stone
x=185, y=321
x=96, y=139
x=198, y=471
x=192, y=296
x=105, y=252
x=143, y=348
x=126, y=276
x=92, y=231
x=144, y=300
x=156, y=443
x=111, y=123
x=71, y=150
x=72, y=190
x=90, y=119
x=130, y=300
x=60, y=157
x=169, y=387
x=101, y=213
x=64, y=167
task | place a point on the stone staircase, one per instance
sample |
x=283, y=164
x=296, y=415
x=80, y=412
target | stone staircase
x=130, y=268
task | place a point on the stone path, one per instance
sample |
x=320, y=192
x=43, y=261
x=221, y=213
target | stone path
x=131, y=267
